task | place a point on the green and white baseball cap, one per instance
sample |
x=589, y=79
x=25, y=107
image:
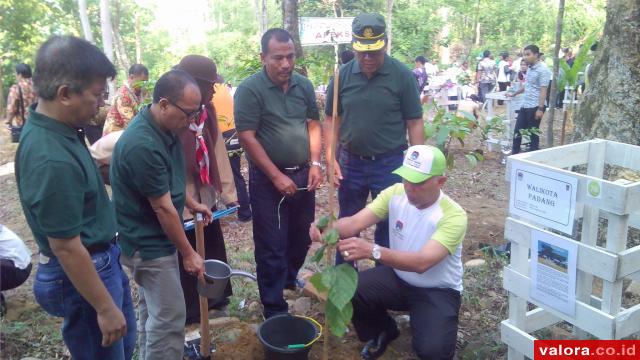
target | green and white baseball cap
x=421, y=162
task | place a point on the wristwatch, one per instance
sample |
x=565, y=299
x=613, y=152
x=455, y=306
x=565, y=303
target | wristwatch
x=375, y=252
x=542, y=108
x=317, y=163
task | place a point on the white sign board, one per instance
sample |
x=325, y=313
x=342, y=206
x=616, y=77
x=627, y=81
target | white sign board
x=543, y=196
x=553, y=271
x=325, y=31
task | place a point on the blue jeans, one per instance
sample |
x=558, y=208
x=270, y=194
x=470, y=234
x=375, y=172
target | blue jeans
x=280, y=246
x=57, y=296
x=364, y=176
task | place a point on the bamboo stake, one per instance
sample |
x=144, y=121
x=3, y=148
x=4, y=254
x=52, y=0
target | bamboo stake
x=205, y=338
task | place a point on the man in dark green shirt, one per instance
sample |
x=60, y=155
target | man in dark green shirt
x=278, y=126
x=67, y=208
x=378, y=108
x=148, y=181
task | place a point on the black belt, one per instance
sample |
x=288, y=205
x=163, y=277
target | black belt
x=293, y=169
x=101, y=247
x=395, y=151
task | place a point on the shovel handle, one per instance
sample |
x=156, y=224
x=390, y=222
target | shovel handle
x=205, y=339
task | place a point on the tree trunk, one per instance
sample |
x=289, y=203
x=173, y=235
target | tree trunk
x=105, y=27
x=389, y=25
x=264, y=20
x=2, y=99
x=107, y=39
x=138, y=42
x=290, y=23
x=121, y=51
x=443, y=49
x=84, y=20
x=609, y=107
x=554, y=84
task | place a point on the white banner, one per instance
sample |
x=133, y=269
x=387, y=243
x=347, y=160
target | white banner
x=325, y=31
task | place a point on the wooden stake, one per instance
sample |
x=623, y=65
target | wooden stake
x=205, y=338
x=332, y=188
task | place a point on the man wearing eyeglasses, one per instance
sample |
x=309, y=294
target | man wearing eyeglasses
x=148, y=181
x=378, y=108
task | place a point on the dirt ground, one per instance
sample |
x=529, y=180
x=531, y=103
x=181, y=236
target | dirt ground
x=27, y=331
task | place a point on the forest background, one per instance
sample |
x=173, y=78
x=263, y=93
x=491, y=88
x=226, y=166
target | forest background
x=158, y=33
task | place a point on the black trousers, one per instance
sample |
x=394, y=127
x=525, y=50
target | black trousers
x=11, y=276
x=281, y=242
x=433, y=311
x=241, y=187
x=214, y=249
x=502, y=86
x=526, y=120
x=484, y=89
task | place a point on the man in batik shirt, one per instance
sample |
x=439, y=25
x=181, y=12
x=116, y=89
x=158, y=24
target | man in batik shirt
x=128, y=100
x=21, y=96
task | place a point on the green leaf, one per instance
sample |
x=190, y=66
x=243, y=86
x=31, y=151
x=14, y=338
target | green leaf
x=478, y=156
x=429, y=130
x=317, y=256
x=469, y=116
x=344, y=285
x=323, y=222
x=331, y=237
x=338, y=319
x=472, y=159
x=316, y=281
x=328, y=277
x=443, y=134
x=449, y=161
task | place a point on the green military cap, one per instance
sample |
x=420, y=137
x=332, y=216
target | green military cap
x=368, y=32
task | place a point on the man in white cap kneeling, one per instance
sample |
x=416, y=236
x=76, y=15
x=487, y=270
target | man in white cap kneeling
x=421, y=271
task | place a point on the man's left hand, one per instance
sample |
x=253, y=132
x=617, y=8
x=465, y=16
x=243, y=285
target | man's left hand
x=315, y=178
x=355, y=248
x=204, y=210
x=539, y=114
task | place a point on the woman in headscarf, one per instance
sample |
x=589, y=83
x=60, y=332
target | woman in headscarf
x=202, y=177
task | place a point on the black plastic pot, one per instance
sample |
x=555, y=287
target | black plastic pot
x=287, y=337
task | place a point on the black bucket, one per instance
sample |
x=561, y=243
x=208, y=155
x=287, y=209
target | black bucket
x=15, y=133
x=287, y=337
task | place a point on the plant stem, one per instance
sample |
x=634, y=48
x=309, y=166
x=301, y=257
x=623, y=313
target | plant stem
x=332, y=191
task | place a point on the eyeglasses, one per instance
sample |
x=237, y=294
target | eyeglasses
x=190, y=115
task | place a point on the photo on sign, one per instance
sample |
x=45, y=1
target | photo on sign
x=552, y=256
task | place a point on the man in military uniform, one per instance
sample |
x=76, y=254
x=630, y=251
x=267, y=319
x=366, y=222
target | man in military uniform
x=378, y=107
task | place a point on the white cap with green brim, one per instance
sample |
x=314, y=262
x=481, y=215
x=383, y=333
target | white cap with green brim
x=421, y=162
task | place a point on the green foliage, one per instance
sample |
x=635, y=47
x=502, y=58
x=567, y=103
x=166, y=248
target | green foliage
x=494, y=126
x=338, y=282
x=448, y=126
x=569, y=75
x=527, y=133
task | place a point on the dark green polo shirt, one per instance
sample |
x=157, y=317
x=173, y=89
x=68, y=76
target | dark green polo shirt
x=60, y=188
x=279, y=118
x=374, y=111
x=147, y=162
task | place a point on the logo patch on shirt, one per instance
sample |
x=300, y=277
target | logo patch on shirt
x=397, y=230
